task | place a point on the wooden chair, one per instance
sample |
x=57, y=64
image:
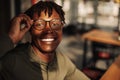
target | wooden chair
x=100, y=51
x=113, y=72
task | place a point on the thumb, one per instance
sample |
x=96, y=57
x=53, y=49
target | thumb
x=27, y=26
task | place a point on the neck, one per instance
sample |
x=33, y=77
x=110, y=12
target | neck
x=45, y=57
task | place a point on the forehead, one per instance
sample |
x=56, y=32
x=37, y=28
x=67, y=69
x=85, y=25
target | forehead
x=45, y=16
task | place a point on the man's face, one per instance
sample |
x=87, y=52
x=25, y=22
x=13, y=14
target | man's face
x=46, y=32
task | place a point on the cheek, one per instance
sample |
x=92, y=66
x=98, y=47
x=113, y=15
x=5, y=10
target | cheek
x=34, y=32
x=60, y=35
x=37, y=34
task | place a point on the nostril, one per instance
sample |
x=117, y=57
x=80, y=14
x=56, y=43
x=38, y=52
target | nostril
x=48, y=30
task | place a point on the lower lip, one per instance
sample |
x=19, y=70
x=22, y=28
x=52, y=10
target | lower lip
x=48, y=42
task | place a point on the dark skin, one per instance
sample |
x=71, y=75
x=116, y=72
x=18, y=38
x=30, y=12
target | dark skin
x=15, y=33
x=46, y=41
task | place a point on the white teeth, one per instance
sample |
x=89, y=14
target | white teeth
x=47, y=39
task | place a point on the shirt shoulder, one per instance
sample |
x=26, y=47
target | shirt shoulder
x=10, y=58
x=72, y=73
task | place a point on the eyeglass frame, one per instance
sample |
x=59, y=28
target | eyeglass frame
x=45, y=21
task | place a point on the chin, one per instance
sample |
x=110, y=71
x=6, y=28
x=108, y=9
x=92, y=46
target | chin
x=46, y=47
x=47, y=50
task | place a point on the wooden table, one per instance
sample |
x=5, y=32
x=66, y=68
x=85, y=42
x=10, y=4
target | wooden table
x=100, y=36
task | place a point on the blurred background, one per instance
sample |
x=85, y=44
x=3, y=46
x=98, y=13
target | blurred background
x=100, y=13
x=82, y=16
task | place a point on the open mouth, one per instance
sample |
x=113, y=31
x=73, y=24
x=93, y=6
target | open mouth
x=50, y=39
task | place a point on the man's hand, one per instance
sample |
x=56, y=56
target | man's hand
x=16, y=33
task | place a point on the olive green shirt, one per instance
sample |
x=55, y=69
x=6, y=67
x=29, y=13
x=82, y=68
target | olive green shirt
x=61, y=68
x=21, y=63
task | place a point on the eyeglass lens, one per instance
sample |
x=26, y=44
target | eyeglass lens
x=54, y=24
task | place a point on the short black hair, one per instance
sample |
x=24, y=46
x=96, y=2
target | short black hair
x=46, y=6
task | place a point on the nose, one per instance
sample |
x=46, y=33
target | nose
x=48, y=28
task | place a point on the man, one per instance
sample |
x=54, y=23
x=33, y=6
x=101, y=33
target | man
x=40, y=60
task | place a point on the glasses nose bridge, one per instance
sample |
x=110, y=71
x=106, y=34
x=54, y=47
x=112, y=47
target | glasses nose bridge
x=47, y=24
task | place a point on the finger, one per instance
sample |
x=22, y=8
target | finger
x=26, y=22
x=27, y=25
x=25, y=17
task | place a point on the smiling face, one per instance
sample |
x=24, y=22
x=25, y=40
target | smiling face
x=46, y=39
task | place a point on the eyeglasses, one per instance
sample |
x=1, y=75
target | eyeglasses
x=55, y=24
